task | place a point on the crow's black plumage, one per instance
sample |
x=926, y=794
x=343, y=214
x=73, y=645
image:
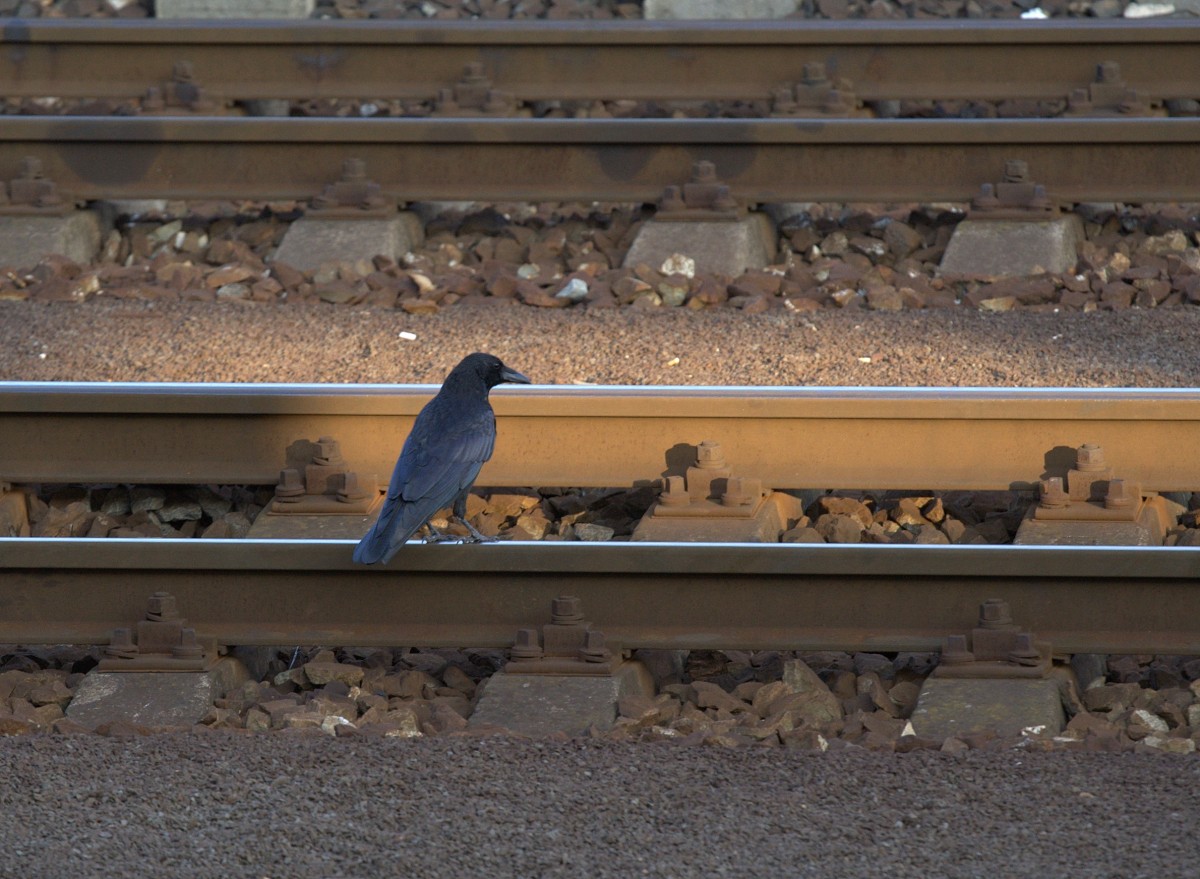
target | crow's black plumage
x=449, y=443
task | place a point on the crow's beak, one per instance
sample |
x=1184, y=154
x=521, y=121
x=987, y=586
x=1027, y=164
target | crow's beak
x=511, y=375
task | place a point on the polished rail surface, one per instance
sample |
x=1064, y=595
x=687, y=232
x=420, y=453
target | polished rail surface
x=595, y=60
x=764, y=160
x=790, y=437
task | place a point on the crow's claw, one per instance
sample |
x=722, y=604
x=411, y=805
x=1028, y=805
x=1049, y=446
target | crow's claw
x=476, y=536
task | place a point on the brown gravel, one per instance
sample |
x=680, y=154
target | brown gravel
x=184, y=341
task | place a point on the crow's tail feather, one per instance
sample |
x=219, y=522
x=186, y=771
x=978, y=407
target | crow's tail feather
x=371, y=548
x=397, y=522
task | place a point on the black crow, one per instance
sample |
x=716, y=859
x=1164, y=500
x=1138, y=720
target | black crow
x=449, y=443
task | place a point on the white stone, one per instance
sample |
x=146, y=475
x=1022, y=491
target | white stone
x=1171, y=746
x=1193, y=715
x=718, y=9
x=575, y=290
x=679, y=264
x=233, y=8
x=1150, y=720
x=1148, y=10
x=331, y=722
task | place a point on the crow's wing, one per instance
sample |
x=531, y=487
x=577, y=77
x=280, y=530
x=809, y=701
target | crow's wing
x=442, y=457
x=448, y=445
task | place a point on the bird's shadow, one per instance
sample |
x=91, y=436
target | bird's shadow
x=679, y=458
x=1059, y=461
x=300, y=454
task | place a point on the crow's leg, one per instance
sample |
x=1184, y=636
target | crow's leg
x=436, y=536
x=460, y=513
x=476, y=536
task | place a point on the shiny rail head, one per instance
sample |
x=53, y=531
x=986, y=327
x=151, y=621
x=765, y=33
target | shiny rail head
x=1065, y=562
x=52, y=389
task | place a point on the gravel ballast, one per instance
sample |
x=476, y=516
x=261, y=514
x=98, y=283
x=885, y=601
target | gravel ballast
x=309, y=806
x=107, y=340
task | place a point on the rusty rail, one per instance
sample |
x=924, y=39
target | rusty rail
x=764, y=596
x=879, y=438
x=594, y=60
x=775, y=160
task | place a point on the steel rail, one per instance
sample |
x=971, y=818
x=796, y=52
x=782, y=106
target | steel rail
x=715, y=596
x=878, y=438
x=595, y=60
x=775, y=160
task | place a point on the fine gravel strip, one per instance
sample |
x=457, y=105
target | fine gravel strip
x=310, y=807
x=227, y=342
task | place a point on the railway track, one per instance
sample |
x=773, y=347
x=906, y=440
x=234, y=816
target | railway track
x=774, y=160
x=640, y=594
x=592, y=61
x=719, y=596
x=1107, y=148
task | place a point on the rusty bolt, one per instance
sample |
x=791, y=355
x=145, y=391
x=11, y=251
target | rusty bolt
x=566, y=610
x=161, y=606
x=1089, y=457
x=994, y=614
x=672, y=199
x=1131, y=102
x=675, y=494
x=704, y=172
x=188, y=647
x=723, y=200
x=290, y=486
x=329, y=452
x=153, y=99
x=120, y=645
x=1121, y=495
x=354, y=489
x=814, y=73
x=526, y=647
x=735, y=495
x=593, y=649
x=709, y=456
x=741, y=492
x=1108, y=71
x=1016, y=171
x=1053, y=493
x=31, y=168
x=498, y=102
x=834, y=102
x=954, y=650
x=1025, y=653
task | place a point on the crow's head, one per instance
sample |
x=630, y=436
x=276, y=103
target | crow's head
x=489, y=369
